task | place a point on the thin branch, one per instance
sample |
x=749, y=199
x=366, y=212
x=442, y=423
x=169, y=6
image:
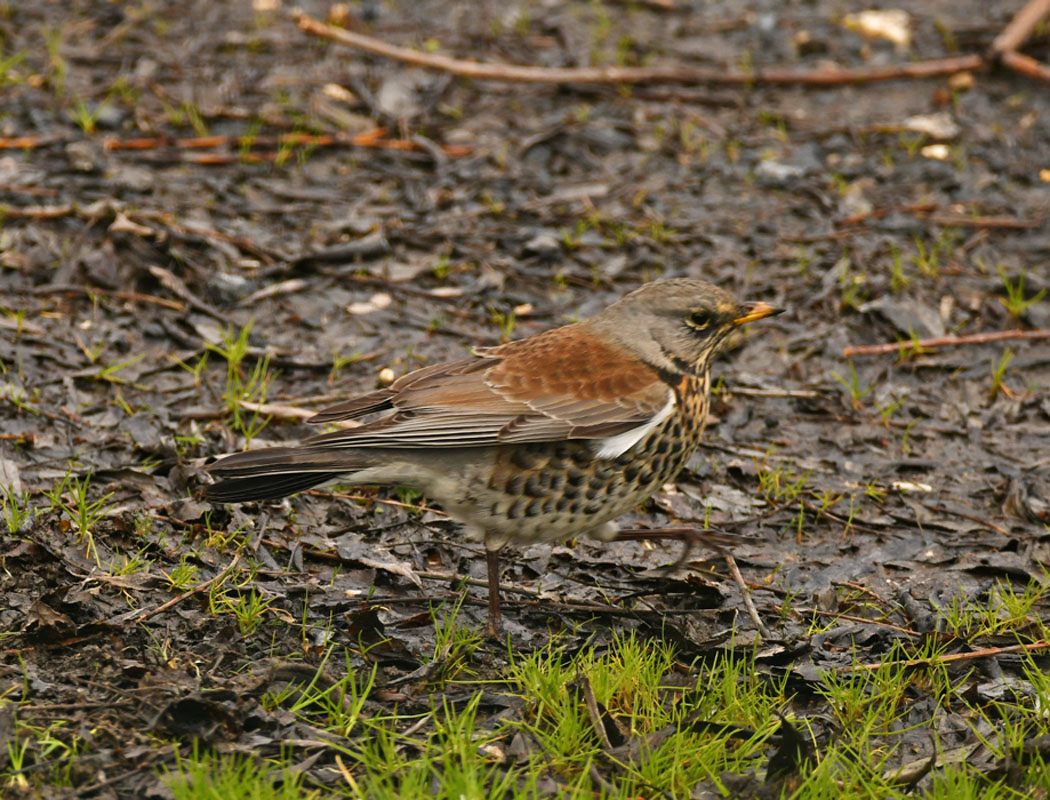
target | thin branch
x=944, y=341
x=247, y=146
x=856, y=618
x=986, y=652
x=8, y=211
x=971, y=517
x=514, y=73
x=745, y=596
x=963, y=221
x=1020, y=27
x=89, y=291
x=929, y=211
x=142, y=616
x=1006, y=45
x=1026, y=65
x=277, y=410
x=24, y=142
x=879, y=213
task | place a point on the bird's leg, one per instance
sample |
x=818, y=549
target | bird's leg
x=492, y=561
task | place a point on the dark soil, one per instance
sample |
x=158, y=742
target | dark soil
x=881, y=488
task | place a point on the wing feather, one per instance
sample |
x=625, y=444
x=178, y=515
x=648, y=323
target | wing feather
x=563, y=384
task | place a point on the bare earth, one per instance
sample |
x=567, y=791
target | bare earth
x=867, y=493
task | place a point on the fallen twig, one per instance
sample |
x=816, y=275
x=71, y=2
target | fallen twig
x=130, y=220
x=745, y=596
x=971, y=517
x=142, y=616
x=1020, y=27
x=8, y=211
x=363, y=498
x=23, y=142
x=943, y=341
x=963, y=221
x=177, y=286
x=246, y=145
x=830, y=236
x=187, y=230
x=515, y=73
x=278, y=410
x=928, y=211
x=249, y=148
x=1026, y=65
x=34, y=191
x=857, y=618
x=1005, y=47
x=747, y=391
x=1003, y=51
x=879, y=213
x=986, y=652
x=130, y=297
x=274, y=290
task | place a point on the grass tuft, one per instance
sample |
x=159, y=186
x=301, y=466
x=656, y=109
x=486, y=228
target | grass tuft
x=203, y=775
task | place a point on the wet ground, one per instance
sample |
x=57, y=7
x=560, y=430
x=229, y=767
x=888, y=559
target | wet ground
x=147, y=286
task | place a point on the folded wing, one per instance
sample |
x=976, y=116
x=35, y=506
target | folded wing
x=563, y=384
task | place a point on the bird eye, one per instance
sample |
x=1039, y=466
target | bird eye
x=700, y=320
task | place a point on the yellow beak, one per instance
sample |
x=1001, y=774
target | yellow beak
x=753, y=311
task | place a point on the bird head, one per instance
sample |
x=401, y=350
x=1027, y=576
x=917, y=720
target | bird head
x=677, y=325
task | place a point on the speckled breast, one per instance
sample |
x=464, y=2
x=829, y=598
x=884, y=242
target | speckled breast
x=555, y=490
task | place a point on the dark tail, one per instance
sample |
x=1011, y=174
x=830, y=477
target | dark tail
x=277, y=472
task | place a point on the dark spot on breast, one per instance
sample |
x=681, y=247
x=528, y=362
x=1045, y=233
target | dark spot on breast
x=564, y=451
x=524, y=458
x=534, y=487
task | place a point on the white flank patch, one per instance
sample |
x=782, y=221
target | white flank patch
x=619, y=444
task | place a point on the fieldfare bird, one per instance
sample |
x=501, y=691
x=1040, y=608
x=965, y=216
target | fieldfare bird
x=538, y=439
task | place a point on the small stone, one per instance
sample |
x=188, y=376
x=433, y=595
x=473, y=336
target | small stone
x=936, y=126
x=936, y=152
x=83, y=156
x=891, y=24
x=544, y=243
x=376, y=302
x=777, y=174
